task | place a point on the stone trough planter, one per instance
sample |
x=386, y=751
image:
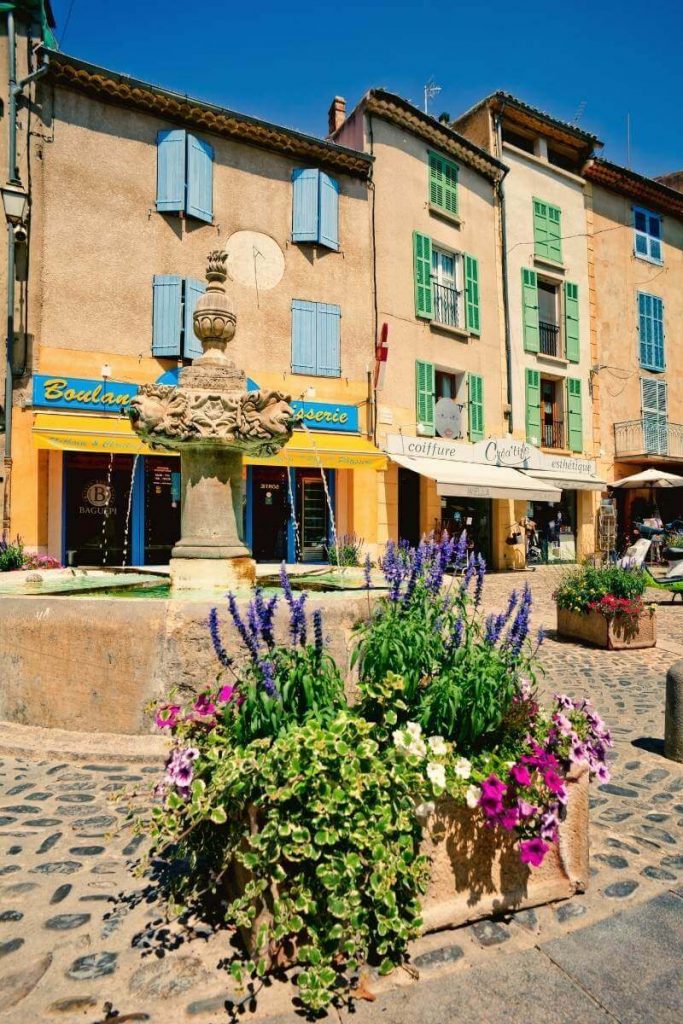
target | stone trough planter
x=475, y=871
x=614, y=635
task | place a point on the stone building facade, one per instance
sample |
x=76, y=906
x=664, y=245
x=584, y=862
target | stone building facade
x=130, y=187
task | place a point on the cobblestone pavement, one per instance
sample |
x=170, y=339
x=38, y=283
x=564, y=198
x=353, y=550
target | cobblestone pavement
x=78, y=930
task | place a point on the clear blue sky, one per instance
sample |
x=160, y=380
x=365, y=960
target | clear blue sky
x=284, y=61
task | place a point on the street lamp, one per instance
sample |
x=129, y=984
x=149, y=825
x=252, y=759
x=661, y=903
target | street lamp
x=15, y=203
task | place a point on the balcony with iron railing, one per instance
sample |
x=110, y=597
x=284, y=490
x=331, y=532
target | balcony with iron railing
x=549, y=339
x=446, y=304
x=552, y=434
x=650, y=436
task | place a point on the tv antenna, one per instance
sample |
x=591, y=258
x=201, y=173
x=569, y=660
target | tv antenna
x=431, y=89
x=579, y=111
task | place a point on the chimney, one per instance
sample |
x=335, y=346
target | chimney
x=336, y=115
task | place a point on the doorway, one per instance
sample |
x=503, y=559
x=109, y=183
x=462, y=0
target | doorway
x=409, y=506
x=162, y=507
x=270, y=513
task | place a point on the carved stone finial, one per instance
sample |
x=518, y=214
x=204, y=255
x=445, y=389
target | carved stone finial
x=213, y=319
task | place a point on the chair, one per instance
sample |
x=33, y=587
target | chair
x=674, y=587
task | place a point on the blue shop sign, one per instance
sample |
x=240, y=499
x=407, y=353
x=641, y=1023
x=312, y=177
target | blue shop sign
x=84, y=395
x=55, y=392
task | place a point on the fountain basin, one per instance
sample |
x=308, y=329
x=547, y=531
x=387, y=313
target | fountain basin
x=94, y=664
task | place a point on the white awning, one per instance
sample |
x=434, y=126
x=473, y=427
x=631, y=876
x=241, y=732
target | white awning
x=472, y=480
x=567, y=480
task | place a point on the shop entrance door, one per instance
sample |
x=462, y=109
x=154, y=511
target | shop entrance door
x=96, y=507
x=472, y=515
x=313, y=518
x=408, y=506
x=162, y=508
x=270, y=511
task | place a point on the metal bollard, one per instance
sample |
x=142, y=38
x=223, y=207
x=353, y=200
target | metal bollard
x=673, y=713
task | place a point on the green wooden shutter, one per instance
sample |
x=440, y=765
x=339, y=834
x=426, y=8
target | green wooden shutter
x=574, y=414
x=443, y=183
x=533, y=406
x=541, y=228
x=424, y=395
x=530, y=310
x=571, y=321
x=422, y=269
x=476, y=407
x=555, y=233
x=472, y=318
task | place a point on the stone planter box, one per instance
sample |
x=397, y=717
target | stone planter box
x=593, y=628
x=475, y=871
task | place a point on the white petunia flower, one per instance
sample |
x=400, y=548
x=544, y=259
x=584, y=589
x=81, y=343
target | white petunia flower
x=472, y=794
x=463, y=768
x=437, y=745
x=423, y=810
x=436, y=773
x=417, y=748
x=415, y=729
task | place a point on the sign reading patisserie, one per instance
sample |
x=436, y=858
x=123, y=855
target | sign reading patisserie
x=80, y=394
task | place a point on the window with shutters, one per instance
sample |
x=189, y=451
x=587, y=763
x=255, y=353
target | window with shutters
x=550, y=317
x=173, y=304
x=651, y=331
x=316, y=338
x=547, y=231
x=184, y=174
x=446, y=286
x=315, y=207
x=647, y=231
x=653, y=397
x=443, y=185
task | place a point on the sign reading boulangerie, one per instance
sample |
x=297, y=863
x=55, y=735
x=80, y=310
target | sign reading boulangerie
x=495, y=451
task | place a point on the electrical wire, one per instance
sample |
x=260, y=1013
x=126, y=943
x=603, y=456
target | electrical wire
x=62, y=37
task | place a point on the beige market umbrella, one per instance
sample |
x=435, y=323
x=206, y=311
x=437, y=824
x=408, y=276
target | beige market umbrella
x=651, y=478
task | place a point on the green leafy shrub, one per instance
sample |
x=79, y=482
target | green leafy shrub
x=11, y=555
x=350, y=550
x=587, y=584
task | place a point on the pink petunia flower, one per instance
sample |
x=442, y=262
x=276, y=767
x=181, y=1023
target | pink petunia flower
x=520, y=774
x=167, y=716
x=532, y=851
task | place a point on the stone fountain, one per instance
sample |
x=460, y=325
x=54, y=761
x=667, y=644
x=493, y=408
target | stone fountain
x=212, y=421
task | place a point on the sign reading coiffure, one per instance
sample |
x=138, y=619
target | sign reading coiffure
x=495, y=451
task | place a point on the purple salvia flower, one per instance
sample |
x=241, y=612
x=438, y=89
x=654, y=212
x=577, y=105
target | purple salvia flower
x=285, y=584
x=540, y=636
x=460, y=552
x=318, y=630
x=297, y=620
x=265, y=611
x=468, y=576
x=214, y=630
x=367, y=571
x=249, y=641
x=456, y=635
x=481, y=575
x=268, y=677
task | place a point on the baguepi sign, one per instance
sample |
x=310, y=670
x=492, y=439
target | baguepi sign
x=80, y=394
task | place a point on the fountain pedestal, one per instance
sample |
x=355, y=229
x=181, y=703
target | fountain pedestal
x=212, y=421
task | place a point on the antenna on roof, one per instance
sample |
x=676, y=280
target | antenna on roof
x=431, y=89
x=579, y=111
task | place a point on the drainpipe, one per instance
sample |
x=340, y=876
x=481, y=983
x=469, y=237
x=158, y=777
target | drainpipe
x=15, y=90
x=506, y=296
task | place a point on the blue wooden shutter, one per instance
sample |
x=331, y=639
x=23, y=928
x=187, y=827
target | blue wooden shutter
x=329, y=211
x=533, y=406
x=424, y=396
x=328, y=338
x=422, y=271
x=574, y=414
x=651, y=331
x=199, y=179
x=305, y=191
x=472, y=316
x=530, y=310
x=476, y=407
x=303, y=336
x=571, y=321
x=193, y=289
x=166, y=323
x=171, y=157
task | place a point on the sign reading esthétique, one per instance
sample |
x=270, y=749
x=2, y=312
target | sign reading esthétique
x=78, y=393
x=84, y=395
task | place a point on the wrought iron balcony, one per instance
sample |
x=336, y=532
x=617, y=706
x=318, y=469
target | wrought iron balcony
x=549, y=338
x=650, y=435
x=445, y=304
x=552, y=434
